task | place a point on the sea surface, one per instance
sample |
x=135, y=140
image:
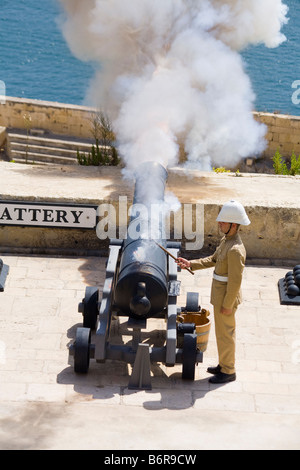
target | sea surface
x=35, y=61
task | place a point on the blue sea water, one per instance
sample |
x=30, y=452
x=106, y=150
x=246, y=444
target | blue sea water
x=274, y=71
x=35, y=61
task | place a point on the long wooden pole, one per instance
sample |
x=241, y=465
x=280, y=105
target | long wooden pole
x=172, y=256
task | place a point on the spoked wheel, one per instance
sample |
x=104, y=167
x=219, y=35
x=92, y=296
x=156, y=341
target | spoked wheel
x=82, y=350
x=90, y=307
x=189, y=355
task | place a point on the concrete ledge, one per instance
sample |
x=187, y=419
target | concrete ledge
x=272, y=203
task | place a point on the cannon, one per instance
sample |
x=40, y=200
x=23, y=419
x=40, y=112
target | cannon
x=141, y=283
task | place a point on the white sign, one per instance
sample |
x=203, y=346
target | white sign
x=47, y=215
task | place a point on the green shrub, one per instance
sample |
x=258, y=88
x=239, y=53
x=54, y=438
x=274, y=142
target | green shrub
x=295, y=165
x=281, y=167
x=221, y=169
x=99, y=156
x=104, y=154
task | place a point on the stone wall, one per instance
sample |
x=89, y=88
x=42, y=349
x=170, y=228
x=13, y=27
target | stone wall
x=65, y=119
x=2, y=136
x=270, y=201
x=273, y=236
x=283, y=133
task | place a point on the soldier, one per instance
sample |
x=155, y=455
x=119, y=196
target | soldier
x=229, y=262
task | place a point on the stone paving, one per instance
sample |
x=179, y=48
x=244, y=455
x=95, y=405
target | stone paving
x=45, y=405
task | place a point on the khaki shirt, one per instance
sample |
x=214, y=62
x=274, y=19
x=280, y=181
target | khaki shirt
x=228, y=260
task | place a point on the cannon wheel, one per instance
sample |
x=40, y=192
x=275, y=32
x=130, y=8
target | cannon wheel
x=189, y=355
x=192, y=302
x=90, y=307
x=82, y=350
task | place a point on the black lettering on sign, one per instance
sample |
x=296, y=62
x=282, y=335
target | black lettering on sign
x=47, y=215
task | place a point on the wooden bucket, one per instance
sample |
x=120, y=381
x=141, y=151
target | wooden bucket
x=202, y=323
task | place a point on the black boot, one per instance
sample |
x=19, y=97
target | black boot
x=214, y=370
x=222, y=378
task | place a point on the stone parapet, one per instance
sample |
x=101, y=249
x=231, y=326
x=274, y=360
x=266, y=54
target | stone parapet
x=58, y=118
x=271, y=202
x=283, y=133
x=65, y=119
x=2, y=136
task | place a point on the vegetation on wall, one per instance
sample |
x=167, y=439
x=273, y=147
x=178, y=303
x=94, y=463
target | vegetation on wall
x=103, y=153
x=283, y=167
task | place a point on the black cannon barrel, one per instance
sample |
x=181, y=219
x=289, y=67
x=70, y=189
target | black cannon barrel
x=142, y=287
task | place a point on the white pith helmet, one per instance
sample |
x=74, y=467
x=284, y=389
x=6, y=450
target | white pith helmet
x=234, y=213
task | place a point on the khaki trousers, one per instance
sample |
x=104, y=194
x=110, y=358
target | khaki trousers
x=225, y=327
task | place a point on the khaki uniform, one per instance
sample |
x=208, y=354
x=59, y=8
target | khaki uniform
x=229, y=261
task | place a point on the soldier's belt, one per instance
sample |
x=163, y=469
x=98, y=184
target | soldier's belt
x=220, y=278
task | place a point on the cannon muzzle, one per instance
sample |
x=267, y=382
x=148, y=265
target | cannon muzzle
x=140, y=305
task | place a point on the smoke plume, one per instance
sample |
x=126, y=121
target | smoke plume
x=170, y=74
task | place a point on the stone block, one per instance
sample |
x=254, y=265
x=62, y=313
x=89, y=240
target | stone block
x=2, y=135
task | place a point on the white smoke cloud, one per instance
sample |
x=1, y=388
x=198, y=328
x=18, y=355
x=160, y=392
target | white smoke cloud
x=170, y=73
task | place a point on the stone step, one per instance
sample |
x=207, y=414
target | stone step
x=32, y=157
x=46, y=149
x=50, y=142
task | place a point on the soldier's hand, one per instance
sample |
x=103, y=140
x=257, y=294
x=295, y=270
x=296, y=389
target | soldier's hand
x=183, y=263
x=226, y=311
